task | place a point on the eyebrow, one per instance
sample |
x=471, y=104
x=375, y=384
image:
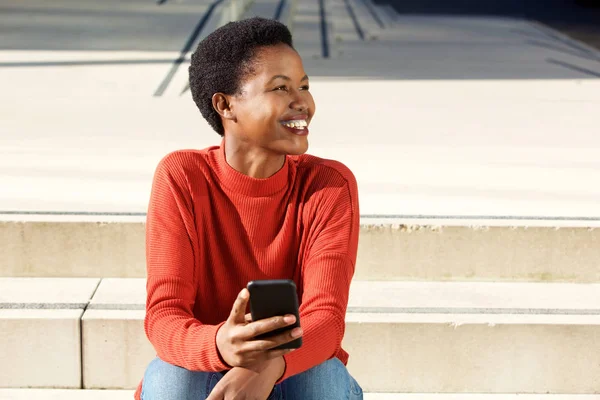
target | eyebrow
x=287, y=78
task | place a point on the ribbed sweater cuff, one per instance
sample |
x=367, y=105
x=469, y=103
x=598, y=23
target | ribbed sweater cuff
x=215, y=359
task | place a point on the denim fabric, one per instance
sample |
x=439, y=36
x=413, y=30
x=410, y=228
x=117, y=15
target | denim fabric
x=329, y=380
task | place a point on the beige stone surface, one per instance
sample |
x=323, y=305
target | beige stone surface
x=58, y=394
x=475, y=358
x=54, y=394
x=120, y=293
x=462, y=162
x=495, y=298
x=115, y=349
x=390, y=250
x=445, y=318
x=73, y=249
x=40, y=348
x=476, y=297
x=482, y=252
x=55, y=292
x=500, y=344
x=472, y=116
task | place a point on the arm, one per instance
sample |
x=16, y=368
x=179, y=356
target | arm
x=326, y=274
x=171, y=258
x=255, y=383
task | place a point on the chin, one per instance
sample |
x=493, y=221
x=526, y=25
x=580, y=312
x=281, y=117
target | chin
x=298, y=149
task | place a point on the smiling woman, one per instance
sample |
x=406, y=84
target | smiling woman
x=255, y=207
x=247, y=80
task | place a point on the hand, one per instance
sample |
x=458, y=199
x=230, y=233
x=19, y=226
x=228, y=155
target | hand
x=236, y=338
x=246, y=384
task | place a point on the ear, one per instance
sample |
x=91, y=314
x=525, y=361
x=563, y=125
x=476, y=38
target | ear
x=222, y=104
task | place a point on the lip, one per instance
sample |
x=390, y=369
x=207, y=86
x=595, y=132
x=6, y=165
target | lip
x=295, y=118
x=299, y=117
x=297, y=132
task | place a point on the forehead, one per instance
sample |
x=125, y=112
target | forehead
x=278, y=60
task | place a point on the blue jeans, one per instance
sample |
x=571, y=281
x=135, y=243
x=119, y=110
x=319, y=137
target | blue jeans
x=329, y=380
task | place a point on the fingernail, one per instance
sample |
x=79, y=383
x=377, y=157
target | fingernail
x=244, y=293
x=297, y=332
x=289, y=319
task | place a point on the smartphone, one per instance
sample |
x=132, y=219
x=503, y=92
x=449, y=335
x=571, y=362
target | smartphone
x=271, y=298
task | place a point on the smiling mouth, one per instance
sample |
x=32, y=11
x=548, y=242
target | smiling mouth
x=299, y=124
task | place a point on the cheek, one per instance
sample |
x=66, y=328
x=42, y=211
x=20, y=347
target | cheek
x=261, y=113
x=311, y=104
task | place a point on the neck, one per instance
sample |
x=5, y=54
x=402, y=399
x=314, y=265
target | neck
x=252, y=160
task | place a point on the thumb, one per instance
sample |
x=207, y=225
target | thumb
x=238, y=311
x=215, y=394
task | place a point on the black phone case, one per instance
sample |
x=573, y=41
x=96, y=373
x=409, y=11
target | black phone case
x=270, y=298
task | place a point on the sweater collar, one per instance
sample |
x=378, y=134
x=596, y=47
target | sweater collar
x=244, y=184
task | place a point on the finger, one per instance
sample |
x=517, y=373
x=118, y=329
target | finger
x=238, y=311
x=278, y=353
x=267, y=344
x=216, y=393
x=266, y=325
x=248, y=318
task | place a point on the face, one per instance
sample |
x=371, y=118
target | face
x=275, y=107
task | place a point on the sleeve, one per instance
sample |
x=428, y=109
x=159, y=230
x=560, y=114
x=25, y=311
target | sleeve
x=326, y=276
x=171, y=258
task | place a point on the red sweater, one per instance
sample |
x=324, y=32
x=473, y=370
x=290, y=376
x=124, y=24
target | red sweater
x=211, y=229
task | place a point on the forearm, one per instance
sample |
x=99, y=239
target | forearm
x=323, y=312
x=272, y=369
x=177, y=336
x=271, y=366
x=275, y=368
x=323, y=333
x=185, y=342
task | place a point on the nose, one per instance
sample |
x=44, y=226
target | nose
x=299, y=102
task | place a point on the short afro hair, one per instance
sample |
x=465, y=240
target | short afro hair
x=225, y=57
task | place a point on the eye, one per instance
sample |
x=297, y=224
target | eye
x=283, y=88
x=305, y=87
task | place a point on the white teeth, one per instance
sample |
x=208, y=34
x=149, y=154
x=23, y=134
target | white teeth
x=298, y=124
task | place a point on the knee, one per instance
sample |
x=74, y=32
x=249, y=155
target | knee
x=329, y=380
x=168, y=382
x=332, y=370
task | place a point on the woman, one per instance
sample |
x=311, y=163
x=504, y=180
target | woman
x=255, y=207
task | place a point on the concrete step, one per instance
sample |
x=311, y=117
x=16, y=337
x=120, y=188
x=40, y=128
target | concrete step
x=136, y=52
x=307, y=30
x=344, y=27
x=385, y=12
x=513, y=158
x=40, y=325
x=262, y=8
x=367, y=19
x=175, y=81
x=354, y=25
x=106, y=47
x=287, y=13
x=438, y=337
x=58, y=394
x=368, y=15
x=389, y=249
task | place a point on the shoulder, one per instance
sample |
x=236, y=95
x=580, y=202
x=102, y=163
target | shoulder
x=328, y=191
x=188, y=164
x=184, y=171
x=324, y=171
x=325, y=183
x=182, y=159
